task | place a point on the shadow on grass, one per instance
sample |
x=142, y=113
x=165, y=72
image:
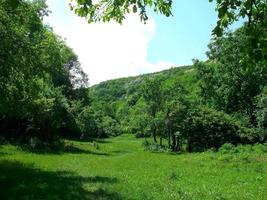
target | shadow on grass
x=4, y=154
x=98, y=140
x=19, y=181
x=103, y=141
x=69, y=148
x=75, y=150
x=120, y=152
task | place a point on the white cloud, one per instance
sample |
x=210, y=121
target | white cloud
x=108, y=51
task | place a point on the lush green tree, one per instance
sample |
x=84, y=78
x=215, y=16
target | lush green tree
x=139, y=119
x=261, y=113
x=176, y=114
x=40, y=76
x=152, y=94
x=21, y=35
x=229, y=11
x=234, y=75
x=175, y=105
x=206, y=128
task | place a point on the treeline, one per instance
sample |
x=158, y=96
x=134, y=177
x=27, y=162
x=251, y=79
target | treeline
x=42, y=85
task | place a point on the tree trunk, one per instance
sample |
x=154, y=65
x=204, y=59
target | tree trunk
x=160, y=142
x=154, y=135
x=189, y=145
x=173, y=143
x=18, y=128
x=169, y=138
x=178, y=144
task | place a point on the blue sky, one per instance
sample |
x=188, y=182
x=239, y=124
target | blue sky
x=108, y=51
x=184, y=36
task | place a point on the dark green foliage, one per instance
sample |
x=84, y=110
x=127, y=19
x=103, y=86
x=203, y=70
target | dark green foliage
x=206, y=128
x=87, y=123
x=153, y=96
x=261, y=114
x=229, y=11
x=232, y=79
x=43, y=88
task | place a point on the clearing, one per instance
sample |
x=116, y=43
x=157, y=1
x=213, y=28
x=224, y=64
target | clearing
x=119, y=168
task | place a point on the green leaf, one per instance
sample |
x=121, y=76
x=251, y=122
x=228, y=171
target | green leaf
x=14, y=3
x=134, y=9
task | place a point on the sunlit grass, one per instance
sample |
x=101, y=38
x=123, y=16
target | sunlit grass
x=119, y=168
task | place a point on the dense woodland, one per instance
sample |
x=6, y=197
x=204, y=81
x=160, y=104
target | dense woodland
x=45, y=94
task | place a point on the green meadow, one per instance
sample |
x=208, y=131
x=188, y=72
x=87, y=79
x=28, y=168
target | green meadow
x=120, y=168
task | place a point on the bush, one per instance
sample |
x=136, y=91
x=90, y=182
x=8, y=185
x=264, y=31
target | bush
x=206, y=128
x=227, y=148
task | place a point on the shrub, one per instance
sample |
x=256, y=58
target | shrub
x=206, y=128
x=226, y=148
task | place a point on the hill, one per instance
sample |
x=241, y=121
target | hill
x=121, y=100
x=123, y=88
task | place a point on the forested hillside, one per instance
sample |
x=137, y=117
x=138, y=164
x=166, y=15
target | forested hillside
x=122, y=99
x=114, y=90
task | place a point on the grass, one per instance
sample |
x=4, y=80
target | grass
x=119, y=168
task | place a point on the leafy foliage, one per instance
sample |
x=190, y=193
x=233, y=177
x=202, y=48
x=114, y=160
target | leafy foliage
x=232, y=10
x=206, y=128
x=261, y=114
x=40, y=77
x=106, y=10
